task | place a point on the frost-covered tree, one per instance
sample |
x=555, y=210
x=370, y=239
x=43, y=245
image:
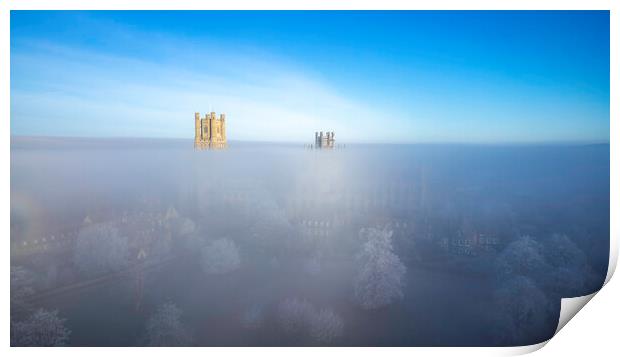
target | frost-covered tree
x=561, y=251
x=522, y=257
x=380, y=273
x=523, y=312
x=220, y=256
x=100, y=249
x=165, y=328
x=571, y=274
x=555, y=264
x=294, y=315
x=301, y=319
x=252, y=317
x=22, y=281
x=325, y=326
x=42, y=329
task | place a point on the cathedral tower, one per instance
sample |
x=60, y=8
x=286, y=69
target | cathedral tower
x=210, y=131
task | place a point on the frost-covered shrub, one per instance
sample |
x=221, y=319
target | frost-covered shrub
x=42, y=329
x=523, y=312
x=326, y=326
x=252, y=318
x=165, y=328
x=220, y=256
x=380, y=273
x=100, y=249
x=294, y=315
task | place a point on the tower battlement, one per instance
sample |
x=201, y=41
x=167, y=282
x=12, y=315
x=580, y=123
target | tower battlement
x=210, y=131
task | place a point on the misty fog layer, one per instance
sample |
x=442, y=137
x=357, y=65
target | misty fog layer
x=136, y=242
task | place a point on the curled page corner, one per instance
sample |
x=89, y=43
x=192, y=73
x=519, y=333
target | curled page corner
x=570, y=307
x=522, y=350
x=613, y=260
x=505, y=351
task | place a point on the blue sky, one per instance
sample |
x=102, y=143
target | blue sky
x=370, y=76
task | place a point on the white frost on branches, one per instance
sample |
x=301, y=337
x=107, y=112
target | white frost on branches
x=326, y=326
x=522, y=257
x=524, y=312
x=300, y=318
x=165, y=328
x=561, y=251
x=380, y=277
x=572, y=275
x=534, y=275
x=22, y=281
x=220, y=256
x=556, y=265
x=100, y=249
x=42, y=329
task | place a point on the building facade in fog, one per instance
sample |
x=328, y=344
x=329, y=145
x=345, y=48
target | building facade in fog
x=210, y=131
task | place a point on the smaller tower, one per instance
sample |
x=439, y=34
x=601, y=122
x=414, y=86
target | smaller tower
x=223, y=124
x=324, y=141
x=197, y=128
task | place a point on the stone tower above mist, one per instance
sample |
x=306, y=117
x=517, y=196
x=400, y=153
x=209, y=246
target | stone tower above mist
x=324, y=141
x=210, y=131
